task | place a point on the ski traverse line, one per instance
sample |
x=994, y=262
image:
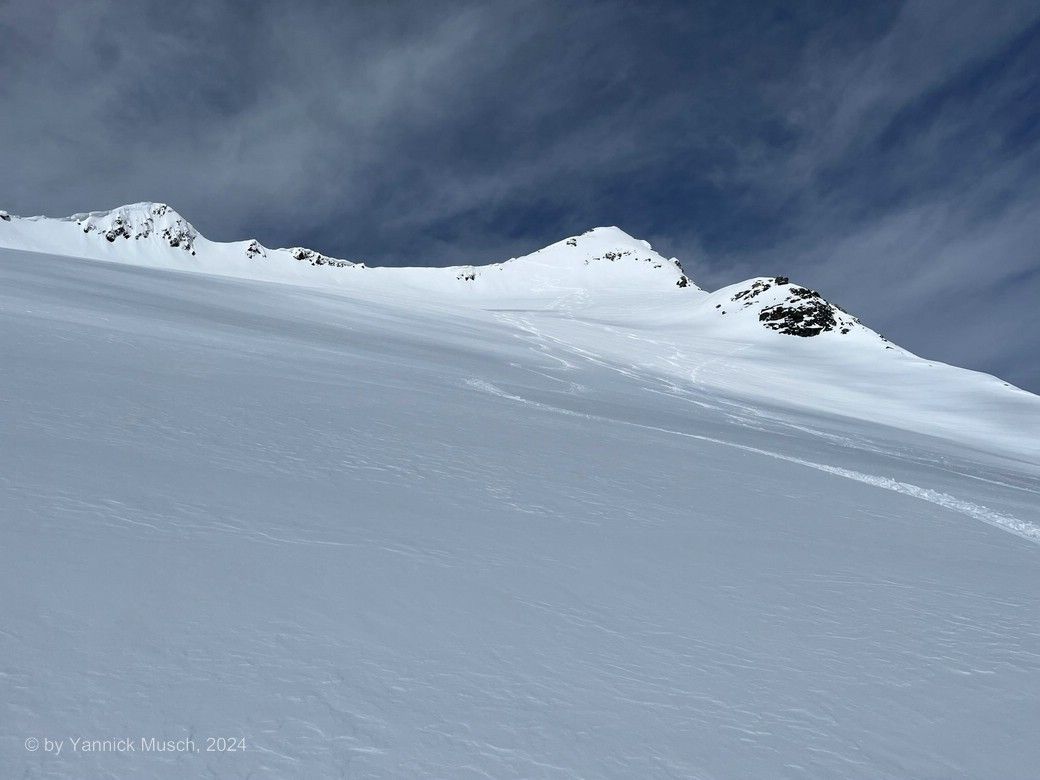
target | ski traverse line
x=1013, y=525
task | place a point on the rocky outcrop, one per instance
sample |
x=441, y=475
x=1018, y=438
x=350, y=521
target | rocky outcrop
x=313, y=258
x=140, y=221
x=255, y=249
x=792, y=309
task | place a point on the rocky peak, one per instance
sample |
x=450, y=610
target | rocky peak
x=140, y=221
x=790, y=308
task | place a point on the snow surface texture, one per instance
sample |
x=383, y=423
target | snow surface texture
x=555, y=517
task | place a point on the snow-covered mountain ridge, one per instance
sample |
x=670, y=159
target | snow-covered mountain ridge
x=602, y=260
x=608, y=293
x=146, y=233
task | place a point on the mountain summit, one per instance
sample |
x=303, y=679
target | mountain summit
x=602, y=262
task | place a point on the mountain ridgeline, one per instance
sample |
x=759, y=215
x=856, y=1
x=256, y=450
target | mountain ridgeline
x=602, y=262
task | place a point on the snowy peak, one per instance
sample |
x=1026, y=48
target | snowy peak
x=159, y=222
x=612, y=245
x=137, y=221
x=154, y=234
x=604, y=259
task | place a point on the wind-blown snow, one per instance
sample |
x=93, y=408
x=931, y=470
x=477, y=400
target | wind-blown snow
x=560, y=519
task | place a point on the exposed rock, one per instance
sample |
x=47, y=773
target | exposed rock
x=255, y=250
x=316, y=258
x=757, y=287
x=180, y=235
x=119, y=228
x=793, y=310
x=800, y=317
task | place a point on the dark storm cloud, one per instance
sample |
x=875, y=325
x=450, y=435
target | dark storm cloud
x=884, y=152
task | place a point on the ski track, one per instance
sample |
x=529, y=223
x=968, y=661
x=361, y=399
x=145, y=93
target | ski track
x=742, y=414
x=1013, y=525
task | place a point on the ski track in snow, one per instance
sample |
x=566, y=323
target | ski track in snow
x=1013, y=525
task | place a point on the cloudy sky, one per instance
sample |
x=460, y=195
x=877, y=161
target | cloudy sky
x=886, y=153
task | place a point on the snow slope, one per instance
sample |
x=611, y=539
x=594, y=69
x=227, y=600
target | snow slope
x=563, y=519
x=743, y=339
